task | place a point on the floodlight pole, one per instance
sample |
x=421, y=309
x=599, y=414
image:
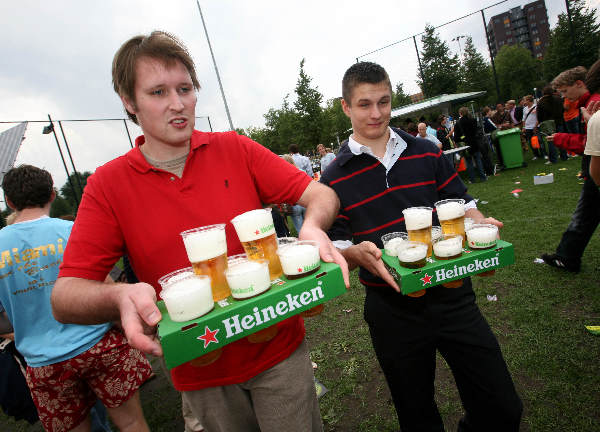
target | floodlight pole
x=489, y=44
x=64, y=163
x=420, y=66
x=70, y=157
x=216, y=69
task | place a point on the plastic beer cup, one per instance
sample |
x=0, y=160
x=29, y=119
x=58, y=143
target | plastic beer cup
x=391, y=242
x=418, y=221
x=483, y=236
x=413, y=254
x=451, y=214
x=448, y=247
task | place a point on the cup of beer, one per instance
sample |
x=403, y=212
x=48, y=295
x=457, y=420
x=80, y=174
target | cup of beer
x=451, y=213
x=391, y=241
x=436, y=232
x=447, y=247
x=418, y=221
x=482, y=236
x=413, y=254
x=206, y=248
x=256, y=231
x=301, y=259
x=247, y=278
x=187, y=295
x=468, y=224
x=282, y=241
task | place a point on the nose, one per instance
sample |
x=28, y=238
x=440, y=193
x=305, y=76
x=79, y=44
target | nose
x=175, y=102
x=375, y=111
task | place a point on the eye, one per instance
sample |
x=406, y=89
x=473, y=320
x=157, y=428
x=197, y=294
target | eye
x=185, y=89
x=158, y=92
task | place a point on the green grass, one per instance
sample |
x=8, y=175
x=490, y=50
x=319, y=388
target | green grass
x=539, y=320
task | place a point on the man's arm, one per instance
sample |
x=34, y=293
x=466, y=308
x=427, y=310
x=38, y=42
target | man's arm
x=83, y=301
x=478, y=217
x=368, y=256
x=595, y=169
x=322, y=206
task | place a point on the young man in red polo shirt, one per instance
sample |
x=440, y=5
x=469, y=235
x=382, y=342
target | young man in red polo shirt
x=178, y=178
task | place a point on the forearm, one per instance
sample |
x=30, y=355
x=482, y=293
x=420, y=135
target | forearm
x=474, y=214
x=83, y=301
x=595, y=169
x=322, y=205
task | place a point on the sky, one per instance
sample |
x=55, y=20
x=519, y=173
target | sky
x=56, y=58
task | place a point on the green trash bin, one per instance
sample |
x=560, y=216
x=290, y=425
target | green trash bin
x=510, y=147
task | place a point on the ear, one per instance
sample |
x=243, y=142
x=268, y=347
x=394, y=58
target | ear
x=9, y=203
x=52, y=196
x=128, y=104
x=345, y=107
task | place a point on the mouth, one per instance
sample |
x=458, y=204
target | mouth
x=179, y=122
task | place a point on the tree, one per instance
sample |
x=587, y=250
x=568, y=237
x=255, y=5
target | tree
x=336, y=123
x=562, y=53
x=475, y=72
x=440, y=69
x=66, y=191
x=399, y=98
x=309, y=112
x=518, y=72
x=61, y=207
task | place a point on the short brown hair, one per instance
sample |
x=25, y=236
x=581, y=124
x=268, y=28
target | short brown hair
x=363, y=72
x=568, y=77
x=528, y=98
x=592, y=79
x=27, y=186
x=158, y=45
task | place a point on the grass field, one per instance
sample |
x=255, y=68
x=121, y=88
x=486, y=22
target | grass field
x=539, y=319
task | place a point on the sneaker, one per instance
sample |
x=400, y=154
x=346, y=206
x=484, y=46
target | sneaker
x=554, y=260
x=534, y=158
x=545, y=157
x=548, y=163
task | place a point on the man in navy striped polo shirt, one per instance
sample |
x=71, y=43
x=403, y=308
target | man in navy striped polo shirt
x=379, y=172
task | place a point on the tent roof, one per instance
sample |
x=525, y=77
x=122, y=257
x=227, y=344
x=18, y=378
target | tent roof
x=434, y=102
x=10, y=142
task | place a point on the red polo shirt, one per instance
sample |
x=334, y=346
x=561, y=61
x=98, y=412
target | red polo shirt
x=130, y=207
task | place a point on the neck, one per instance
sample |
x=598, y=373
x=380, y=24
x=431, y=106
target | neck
x=378, y=145
x=161, y=152
x=32, y=213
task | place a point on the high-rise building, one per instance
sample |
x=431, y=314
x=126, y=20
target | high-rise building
x=527, y=26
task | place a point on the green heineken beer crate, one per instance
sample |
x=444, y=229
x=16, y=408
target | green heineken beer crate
x=233, y=319
x=435, y=272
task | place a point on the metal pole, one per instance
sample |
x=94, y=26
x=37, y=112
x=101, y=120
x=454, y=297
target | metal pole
x=216, y=69
x=128, y=135
x=489, y=44
x=420, y=66
x=574, y=55
x=209, y=125
x=64, y=163
x=70, y=157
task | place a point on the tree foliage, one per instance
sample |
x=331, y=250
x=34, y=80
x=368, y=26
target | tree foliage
x=475, y=72
x=563, y=52
x=65, y=202
x=518, y=72
x=399, y=97
x=440, y=68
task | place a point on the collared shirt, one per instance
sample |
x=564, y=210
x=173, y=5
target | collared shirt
x=431, y=138
x=326, y=160
x=303, y=163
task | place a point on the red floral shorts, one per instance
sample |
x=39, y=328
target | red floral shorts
x=64, y=392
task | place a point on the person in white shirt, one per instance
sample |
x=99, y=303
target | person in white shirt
x=326, y=157
x=301, y=162
x=422, y=128
x=530, y=126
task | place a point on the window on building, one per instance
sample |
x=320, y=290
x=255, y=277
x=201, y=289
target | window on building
x=540, y=6
x=497, y=21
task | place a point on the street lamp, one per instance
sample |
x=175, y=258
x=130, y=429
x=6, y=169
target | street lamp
x=457, y=39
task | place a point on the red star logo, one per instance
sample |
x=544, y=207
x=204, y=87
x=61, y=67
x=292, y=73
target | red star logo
x=299, y=269
x=257, y=232
x=426, y=279
x=209, y=336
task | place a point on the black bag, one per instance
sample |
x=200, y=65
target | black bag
x=15, y=398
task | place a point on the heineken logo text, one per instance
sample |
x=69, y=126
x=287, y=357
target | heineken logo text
x=464, y=270
x=236, y=324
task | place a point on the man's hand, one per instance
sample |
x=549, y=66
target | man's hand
x=139, y=317
x=328, y=251
x=590, y=110
x=367, y=255
x=550, y=138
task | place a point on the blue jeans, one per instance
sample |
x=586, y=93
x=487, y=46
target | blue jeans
x=470, y=167
x=298, y=217
x=99, y=418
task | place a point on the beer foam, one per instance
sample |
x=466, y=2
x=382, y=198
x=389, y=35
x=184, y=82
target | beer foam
x=447, y=248
x=248, y=278
x=391, y=246
x=450, y=210
x=254, y=225
x=468, y=223
x=412, y=253
x=482, y=236
x=187, y=297
x=204, y=245
x=436, y=233
x=417, y=218
x=298, y=258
